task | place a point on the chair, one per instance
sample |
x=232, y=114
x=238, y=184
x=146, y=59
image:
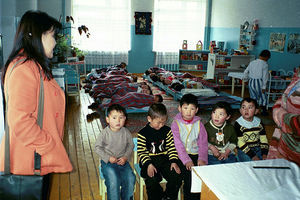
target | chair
x=137, y=171
x=72, y=79
x=102, y=187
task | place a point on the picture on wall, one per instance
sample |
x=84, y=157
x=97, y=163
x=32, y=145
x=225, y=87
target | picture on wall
x=143, y=22
x=277, y=41
x=294, y=43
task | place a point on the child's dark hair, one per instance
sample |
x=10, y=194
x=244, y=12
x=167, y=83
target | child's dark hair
x=224, y=105
x=116, y=107
x=265, y=53
x=157, y=110
x=250, y=100
x=134, y=78
x=147, y=72
x=160, y=98
x=189, y=99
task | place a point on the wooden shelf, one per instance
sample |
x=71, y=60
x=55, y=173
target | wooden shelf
x=193, y=60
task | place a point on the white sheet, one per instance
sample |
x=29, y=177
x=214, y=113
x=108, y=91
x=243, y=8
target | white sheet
x=241, y=181
x=239, y=75
x=199, y=92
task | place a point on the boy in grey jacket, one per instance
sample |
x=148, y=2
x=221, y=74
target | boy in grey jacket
x=114, y=146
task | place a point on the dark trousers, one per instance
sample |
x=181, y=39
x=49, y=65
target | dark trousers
x=154, y=189
x=187, y=179
x=46, y=186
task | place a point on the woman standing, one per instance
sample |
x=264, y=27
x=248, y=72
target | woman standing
x=31, y=54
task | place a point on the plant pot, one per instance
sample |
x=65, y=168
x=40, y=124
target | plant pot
x=81, y=58
x=61, y=59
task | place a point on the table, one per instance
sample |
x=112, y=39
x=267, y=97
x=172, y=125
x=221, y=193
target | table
x=239, y=75
x=241, y=181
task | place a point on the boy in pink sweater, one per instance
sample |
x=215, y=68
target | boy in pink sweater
x=190, y=140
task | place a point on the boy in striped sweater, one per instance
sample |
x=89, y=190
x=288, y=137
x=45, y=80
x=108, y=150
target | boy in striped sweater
x=158, y=156
x=252, y=138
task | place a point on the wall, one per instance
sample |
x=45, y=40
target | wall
x=273, y=16
x=12, y=11
x=141, y=56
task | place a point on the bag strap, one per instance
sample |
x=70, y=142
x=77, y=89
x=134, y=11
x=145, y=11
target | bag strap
x=37, y=157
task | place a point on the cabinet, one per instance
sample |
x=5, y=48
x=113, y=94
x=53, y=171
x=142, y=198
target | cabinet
x=219, y=66
x=193, y=60
x=247, y=36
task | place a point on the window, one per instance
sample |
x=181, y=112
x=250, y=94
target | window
x=108, y=22
x=178, y=20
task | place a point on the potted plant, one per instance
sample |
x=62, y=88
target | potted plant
x=78, y=53
x=62, y=49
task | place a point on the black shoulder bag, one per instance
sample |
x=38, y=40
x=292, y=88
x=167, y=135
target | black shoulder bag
x=22, y=187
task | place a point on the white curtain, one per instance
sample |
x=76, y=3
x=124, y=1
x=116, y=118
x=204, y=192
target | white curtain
x=108, y=22
x=175, y=21
x=167, y=60
x=102, y=59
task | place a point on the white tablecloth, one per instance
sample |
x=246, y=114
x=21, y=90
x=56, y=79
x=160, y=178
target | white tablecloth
x=240, y=181
x=239, y=75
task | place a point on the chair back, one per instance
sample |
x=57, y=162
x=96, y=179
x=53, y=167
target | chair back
x=135, y=159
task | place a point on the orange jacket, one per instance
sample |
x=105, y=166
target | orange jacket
x=25, y=135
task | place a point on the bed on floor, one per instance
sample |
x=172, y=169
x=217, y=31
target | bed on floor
x=206, y=96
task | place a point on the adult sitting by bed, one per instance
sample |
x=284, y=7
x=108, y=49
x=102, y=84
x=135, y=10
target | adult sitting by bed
x=132, y=99
x=285, y=142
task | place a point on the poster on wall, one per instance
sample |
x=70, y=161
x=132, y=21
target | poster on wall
x=294, y=43
x=277, y=41
x=143, y=23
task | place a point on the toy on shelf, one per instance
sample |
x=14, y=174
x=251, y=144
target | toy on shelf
x=199, y=45
x=221, y=45
x=184, y=44
x=212, y=46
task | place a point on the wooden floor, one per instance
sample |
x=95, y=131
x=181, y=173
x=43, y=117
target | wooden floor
x=80, y=137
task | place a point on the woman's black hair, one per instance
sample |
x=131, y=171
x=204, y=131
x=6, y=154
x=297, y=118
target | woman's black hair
x=28, y=40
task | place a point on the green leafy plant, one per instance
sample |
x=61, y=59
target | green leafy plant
x=78, y=53
x=62, y=48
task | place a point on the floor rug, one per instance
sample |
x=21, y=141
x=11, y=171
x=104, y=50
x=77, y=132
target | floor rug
x=136, y=121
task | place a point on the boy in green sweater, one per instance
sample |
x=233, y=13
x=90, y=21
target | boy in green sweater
x=221, y=135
